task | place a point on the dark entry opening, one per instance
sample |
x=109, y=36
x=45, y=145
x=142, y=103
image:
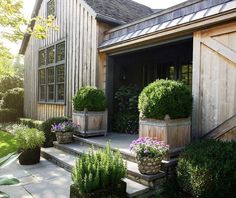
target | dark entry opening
x=139, y=68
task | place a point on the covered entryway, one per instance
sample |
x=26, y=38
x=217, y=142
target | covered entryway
x=172, y=60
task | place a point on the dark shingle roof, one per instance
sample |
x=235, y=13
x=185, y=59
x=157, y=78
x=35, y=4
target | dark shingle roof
x=121, y=10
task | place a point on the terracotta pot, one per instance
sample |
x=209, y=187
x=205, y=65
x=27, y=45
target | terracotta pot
x=149, y=166
x=64, y=137
x=30, y=156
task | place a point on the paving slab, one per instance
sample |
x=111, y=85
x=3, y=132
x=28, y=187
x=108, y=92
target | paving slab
x=16, y=191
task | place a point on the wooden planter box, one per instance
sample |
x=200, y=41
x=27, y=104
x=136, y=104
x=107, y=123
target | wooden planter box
x=176, y=133
x=92, y=123
x=118, y=191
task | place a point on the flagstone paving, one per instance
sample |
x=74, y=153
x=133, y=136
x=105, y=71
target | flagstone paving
x=41, y=180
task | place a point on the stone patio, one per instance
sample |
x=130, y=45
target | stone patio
x=39, y=181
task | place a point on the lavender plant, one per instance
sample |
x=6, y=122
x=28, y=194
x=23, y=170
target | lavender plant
x=147, y=147
x=67, y=126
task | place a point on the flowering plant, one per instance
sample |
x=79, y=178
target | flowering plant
x=147, y=147
x=67, y=126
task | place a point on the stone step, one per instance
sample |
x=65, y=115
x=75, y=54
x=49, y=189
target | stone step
x=78, y=148
x=67, y=162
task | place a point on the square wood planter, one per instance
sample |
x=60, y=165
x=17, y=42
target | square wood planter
x=176, y=133
x=92, y=123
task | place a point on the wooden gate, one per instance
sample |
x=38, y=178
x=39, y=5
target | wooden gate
x=214, y=77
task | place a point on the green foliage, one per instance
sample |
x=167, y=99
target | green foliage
x=165, y=97
x=1, y=95
x=29, y=138
x=207, y=169
x=8, y=115
x=126, y=108
x=8, y=82
x=31, y=123
x=91, y=98
x=8, y=144
x=14, y=99
x=46, y=128
x=98, y=170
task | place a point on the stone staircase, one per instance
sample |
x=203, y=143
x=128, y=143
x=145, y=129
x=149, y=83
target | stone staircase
x=138, y=185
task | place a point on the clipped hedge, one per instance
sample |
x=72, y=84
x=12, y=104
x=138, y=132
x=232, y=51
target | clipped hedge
x=31, y=123
x=14, y=99
x=165, y=97
x=8, y=115
x=207, y=169
x=91, y=98
x=46, y=128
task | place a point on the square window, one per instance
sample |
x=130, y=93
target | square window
x=51, y=8
x=50, y=55
x=42, y=57
x=60, y=55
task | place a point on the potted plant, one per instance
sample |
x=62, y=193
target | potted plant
x=30, y=141
x=165, y=107
x=65, y=131
x=149, y=154
x=99, y=174
x=90, y=111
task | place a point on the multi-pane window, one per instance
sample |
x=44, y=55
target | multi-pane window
x=51, y=8
x=52, y=73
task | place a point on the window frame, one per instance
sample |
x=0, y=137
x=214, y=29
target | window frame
x=55, y=10
x=46, y=67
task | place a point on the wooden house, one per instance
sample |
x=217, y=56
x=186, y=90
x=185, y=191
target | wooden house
x=194, y=41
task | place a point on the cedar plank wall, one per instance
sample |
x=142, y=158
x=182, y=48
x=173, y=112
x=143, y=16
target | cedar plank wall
x=77, y=26
x=214, y=78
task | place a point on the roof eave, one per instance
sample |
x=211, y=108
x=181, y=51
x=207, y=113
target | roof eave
x=109, y=19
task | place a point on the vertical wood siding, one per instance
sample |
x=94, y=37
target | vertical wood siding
x=214, y=77
x=77, y=26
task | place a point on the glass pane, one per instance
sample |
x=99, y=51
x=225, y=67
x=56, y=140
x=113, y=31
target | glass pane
x=42, y=79
x=172, y=73
x=60, y=74
x=42, y=57
x=60, y=92
x=184, y=74
x=50, y=92
x=60, y=51
x=51, y=8
x=50, y=74
x=50, y=55
x=42, y=92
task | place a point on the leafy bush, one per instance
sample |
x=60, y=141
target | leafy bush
x=91, y=98
x=165, y=97
x=31, y=123
x=207, y=169
x=8, y=115
x=46, y=128
x=9, y=82
x=1, y=95
x=126, y=108
x=14, y=99
x=98, y=170
x=29, y=138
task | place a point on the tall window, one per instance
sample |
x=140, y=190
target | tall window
x=51, y=8
x=51, y=74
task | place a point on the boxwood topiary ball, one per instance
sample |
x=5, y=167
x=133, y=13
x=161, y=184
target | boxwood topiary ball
x=165, y=97
x=91, y=98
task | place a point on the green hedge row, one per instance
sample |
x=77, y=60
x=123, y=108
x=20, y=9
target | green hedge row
x=8, y=115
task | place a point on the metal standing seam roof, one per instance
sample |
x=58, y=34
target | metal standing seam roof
x=114, y=38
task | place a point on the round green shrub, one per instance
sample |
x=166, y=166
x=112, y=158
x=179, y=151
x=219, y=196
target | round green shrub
x=9, y=82
x=46, y=128
x=165, y=97
x=207, y=169
x=91, y=98
x=14, y=99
